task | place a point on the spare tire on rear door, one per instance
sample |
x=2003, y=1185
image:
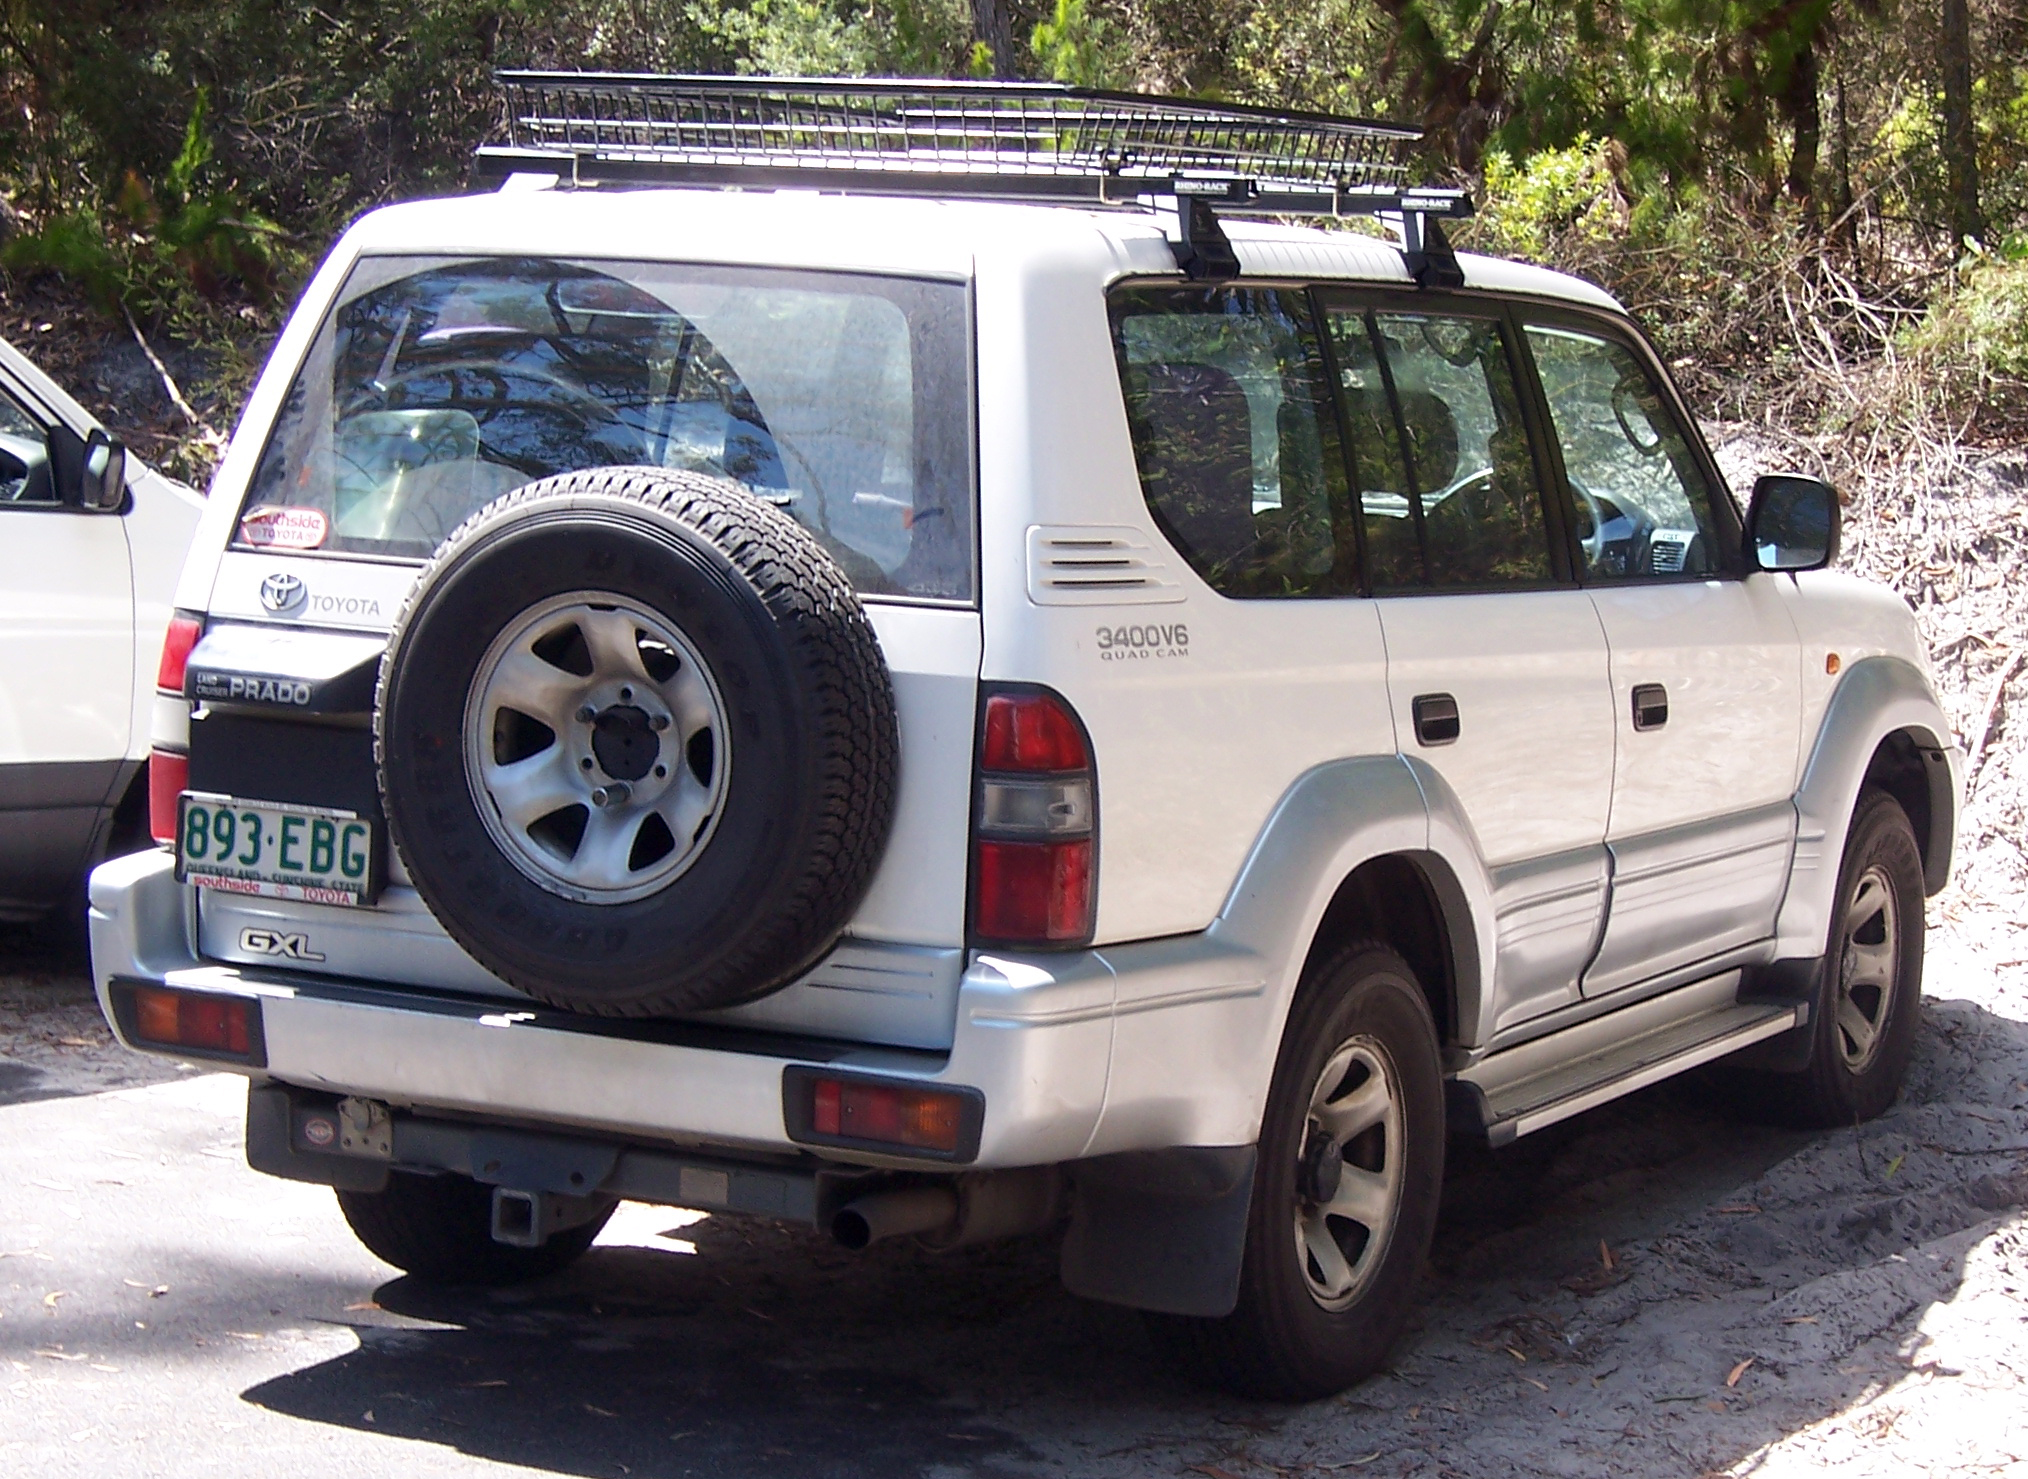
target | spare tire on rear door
x=636, y=742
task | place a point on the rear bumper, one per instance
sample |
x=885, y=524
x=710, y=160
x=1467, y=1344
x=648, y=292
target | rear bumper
x=1035, y=1035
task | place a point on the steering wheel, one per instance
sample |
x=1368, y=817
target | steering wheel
x=1593, y=545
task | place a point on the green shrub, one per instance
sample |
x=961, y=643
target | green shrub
x=1553, y=203
x=172, y=247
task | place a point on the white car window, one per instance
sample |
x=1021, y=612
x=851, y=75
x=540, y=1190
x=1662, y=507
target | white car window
x=435, y=387
x=1643, y=504
x=23, y=445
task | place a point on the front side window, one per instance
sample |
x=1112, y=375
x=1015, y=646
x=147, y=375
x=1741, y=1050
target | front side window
x=1448, y=489
x=24, y=456
x=436, y=386
x=1643, y=504
x=1234, y=436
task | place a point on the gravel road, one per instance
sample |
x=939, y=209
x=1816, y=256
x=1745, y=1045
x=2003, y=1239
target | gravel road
x=1653, y=1289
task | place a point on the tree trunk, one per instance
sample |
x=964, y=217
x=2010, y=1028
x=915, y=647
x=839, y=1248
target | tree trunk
x=1960, y=141
x=992, y=25
x=1799, y=101
x=1848, y=225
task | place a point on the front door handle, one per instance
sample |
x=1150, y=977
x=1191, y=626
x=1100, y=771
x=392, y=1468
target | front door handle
x=1651, y=706
x=1436, y=719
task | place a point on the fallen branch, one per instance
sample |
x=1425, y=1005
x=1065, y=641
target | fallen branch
x=203, y=428
x=1986, y=718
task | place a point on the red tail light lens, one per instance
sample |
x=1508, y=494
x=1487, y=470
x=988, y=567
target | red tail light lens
x=1032, y=732
x=176, y=644
x=195, y=1021
x=1036, y=892
x=1035, y=823
x=168, y=779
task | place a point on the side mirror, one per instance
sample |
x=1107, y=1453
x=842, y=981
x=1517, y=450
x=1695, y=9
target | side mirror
x=1792, y=523
x=103, y=487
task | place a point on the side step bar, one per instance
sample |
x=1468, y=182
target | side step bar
x=1532, y=1086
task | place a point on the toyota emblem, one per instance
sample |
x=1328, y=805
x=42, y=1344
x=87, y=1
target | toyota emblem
x=284, y=594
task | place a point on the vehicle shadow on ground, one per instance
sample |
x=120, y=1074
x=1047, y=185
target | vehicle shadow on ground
x=767, y=1350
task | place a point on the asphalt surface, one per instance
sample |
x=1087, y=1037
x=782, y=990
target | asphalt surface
x=166, y=1311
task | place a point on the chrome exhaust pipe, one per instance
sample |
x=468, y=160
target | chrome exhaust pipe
x=892, y=1214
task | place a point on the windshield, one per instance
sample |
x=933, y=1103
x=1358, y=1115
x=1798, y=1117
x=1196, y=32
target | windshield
x=436, y=386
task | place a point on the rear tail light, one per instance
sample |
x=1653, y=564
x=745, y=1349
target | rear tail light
x=184, y=630
x=901, y=1118
x=200, y=1023
x=1035, y=824
x=168, y=779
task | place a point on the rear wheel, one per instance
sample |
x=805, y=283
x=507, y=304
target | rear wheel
x=1345, y=1192
x=440, y=1228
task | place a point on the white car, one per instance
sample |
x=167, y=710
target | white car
x=963, y=683
x=91, y=543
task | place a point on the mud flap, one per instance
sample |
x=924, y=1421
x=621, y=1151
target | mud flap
x=1161, y=1230
x=1784, y=981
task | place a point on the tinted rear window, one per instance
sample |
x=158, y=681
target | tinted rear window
x=435, y=386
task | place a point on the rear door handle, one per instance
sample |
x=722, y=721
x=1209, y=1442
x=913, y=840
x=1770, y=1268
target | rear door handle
x=1651, y=706
x=1436, y=719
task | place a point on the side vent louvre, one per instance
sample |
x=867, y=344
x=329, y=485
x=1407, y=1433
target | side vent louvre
x=1084, y=565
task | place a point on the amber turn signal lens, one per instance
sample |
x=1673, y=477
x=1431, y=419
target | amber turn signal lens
x=923, y=1119
x=164, y=1017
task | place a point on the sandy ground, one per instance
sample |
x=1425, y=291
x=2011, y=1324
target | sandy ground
x=1655, y=1288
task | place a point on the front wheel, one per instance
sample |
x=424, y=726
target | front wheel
x=1871, y=999
x=1345, y=1191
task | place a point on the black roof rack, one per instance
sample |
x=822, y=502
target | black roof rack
x=1033, y=141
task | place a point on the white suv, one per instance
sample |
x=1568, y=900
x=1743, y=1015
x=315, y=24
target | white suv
x=929, y=716
x=91, y=541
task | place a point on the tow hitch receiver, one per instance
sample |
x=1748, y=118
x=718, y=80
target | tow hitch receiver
x=528, y=1219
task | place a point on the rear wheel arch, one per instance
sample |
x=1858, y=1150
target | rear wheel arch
x=1414, y=904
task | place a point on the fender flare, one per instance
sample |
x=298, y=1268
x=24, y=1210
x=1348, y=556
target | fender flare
x=1877, y=697
x=1331, y=821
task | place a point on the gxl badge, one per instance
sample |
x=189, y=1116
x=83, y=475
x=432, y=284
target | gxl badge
x=274, y=942
x=284, y=594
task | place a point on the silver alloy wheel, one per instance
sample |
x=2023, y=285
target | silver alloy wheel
x=596, y=744
x=1348, y=1185
x=1869, y=963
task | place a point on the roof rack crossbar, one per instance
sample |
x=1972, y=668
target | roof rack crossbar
x=1032, y=141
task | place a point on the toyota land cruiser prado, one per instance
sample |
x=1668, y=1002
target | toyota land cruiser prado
x=879, y=654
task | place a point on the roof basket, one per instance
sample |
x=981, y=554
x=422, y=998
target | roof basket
x=1034, y=141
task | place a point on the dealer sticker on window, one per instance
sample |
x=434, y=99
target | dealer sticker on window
x=277, y=852
x=284, y=528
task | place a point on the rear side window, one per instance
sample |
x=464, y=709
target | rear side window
x=1235, y=438
x=1449, y=495
x=1643, y=504
x=436, y=386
